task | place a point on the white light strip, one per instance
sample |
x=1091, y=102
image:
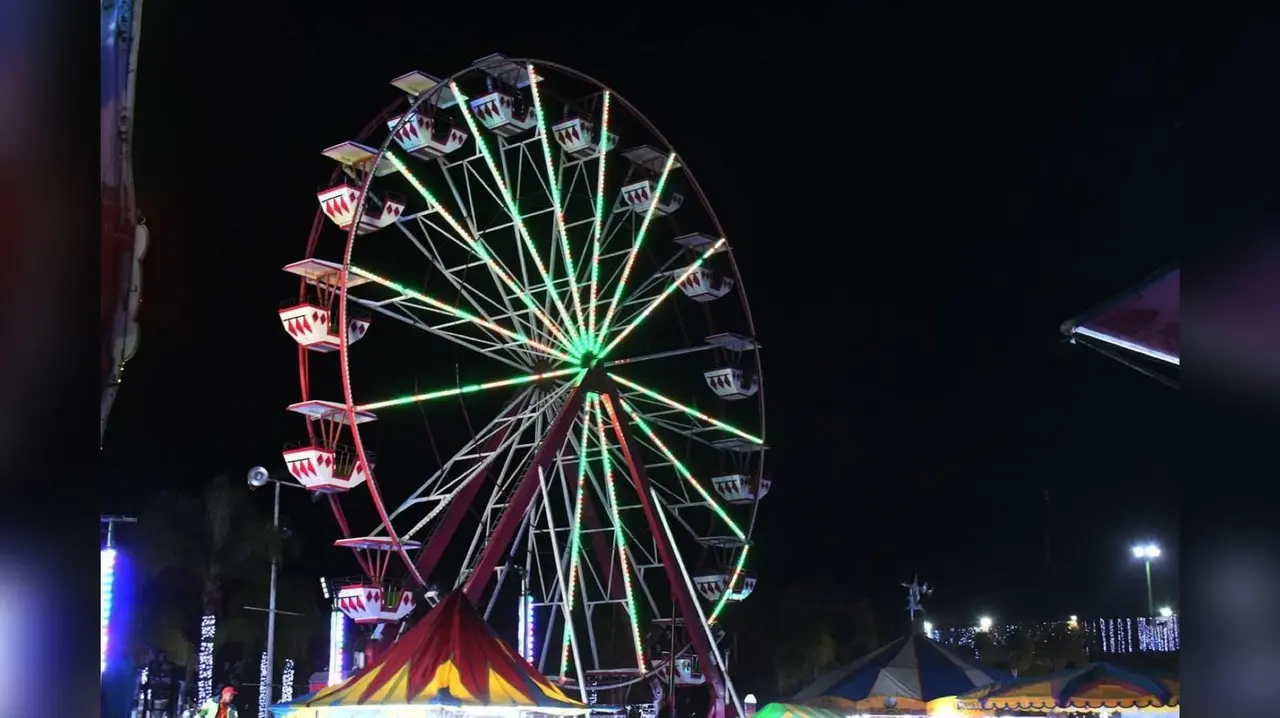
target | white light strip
x=337, y=637
x=286, y=681
x=264, y=685
x=108, y=576
x=1114, y=341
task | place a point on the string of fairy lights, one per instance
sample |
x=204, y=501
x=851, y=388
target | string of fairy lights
x=1103, y=636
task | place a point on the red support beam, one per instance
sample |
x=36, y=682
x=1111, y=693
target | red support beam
x=513, y=515
x=458, y=508
x=685, y=599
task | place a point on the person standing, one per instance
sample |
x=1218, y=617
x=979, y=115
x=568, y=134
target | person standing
x=221, y=708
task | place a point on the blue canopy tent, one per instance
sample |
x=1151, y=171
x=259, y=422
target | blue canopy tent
x=905, y=675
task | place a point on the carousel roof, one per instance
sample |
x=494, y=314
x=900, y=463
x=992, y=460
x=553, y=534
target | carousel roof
x=451, y=658
x=905, y=674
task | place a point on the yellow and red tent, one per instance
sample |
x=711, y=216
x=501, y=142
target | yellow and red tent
x=1092, y=687
x=451, y=661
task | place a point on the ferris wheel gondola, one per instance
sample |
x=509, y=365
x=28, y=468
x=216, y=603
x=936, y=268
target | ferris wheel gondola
x=590, y=284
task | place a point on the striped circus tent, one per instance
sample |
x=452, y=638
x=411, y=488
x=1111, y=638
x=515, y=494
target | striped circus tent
x=906, y=675
x=450, y=662
x=1096, y=686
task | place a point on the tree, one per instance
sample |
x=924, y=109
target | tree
x=803, y=638
x=192, y=545
x=1035, y=651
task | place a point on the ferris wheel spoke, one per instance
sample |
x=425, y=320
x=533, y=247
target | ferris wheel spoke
x=499, y=501
x=394, y=310
x=575, y=539
x=470, y=389
x=483, y=445
x=709, y=649
x=597, y=227
x=513, y=209
x=406, y=293
x=607, y=581
x=688, y=410
x=509, y=521
x=557, y=201
x=619, y=534
x=673, y=562
x=427, y=247
x=563, y=585
x=477, y=246
x=666, y=292
x=490, y=443
x=498, y=271
x=636, y=242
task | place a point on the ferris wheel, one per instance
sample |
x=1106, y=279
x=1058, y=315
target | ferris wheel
x=532, y=218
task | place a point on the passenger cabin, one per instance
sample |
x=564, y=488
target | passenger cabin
x=316, y=328
x=729, y=384
x=737, y=489
x=325, y=469
x=423, y=137
x=703, y=285
x=341, y=201
x=577, y=137
x=638, y=196
x=373, y=600
x=714, y=586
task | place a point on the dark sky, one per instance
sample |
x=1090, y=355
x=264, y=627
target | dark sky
x=916, y=202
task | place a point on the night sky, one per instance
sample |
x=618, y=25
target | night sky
x=916, y=202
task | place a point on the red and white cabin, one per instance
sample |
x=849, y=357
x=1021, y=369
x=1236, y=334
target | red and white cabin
x=703, y=285
x=373, y=601
x=497, y=112
x=637, y=197
x=736, y=488
x=316, y=328
x=713, y=586
x=418, y=136
x=340, y=201
x=326, y=470
x=575, y=138
x=729, y=384
x=368, y=603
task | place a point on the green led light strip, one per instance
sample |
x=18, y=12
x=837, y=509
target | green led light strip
x=597, y=227
x=688, y=410
x=724, y=597
x=689, y=270
x=683, y=470
x=460, y=313
x=556, y=200
x=480, y=251
x=618, y=533
x=575, y=535
x=514, y=210
x=598, y=340
x=466, y=389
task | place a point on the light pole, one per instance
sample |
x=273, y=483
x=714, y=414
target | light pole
x=1146, y=553
x=259, y=477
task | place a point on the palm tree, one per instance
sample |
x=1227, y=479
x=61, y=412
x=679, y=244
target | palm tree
x=194, y=545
